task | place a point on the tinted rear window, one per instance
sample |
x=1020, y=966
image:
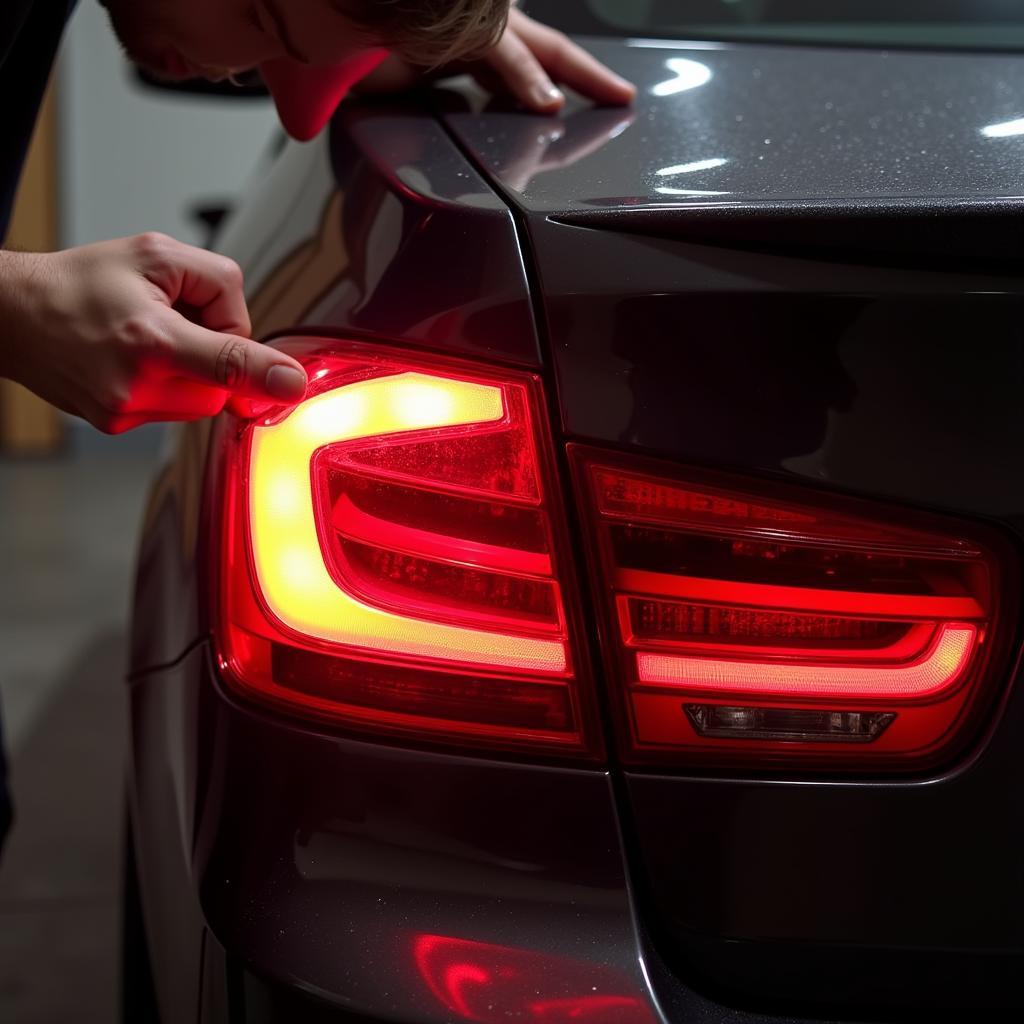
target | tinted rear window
x=954, y=24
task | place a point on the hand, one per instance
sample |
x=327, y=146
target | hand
x=134, y=331
x=526, y=63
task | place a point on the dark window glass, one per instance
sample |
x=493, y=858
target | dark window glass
x=954, y=24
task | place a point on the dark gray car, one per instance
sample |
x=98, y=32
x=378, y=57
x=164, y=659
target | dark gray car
x=624, y=630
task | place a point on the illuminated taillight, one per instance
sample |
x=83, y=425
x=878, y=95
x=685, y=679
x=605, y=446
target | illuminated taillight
x=751, y=625
x=393, y=554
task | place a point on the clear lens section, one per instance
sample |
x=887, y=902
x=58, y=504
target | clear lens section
x=392, y=694
x=639, y=497
x=384, y=506
x=789, y=725
x=654, y=620
x=801, y=563
x=497, y=459
x=443, y=589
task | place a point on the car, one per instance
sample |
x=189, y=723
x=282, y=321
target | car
x=625, y=629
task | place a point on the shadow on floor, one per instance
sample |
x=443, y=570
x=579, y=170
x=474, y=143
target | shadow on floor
x=60, y=875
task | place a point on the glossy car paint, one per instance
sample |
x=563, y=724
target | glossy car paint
x=832, y=350
x=730, y=125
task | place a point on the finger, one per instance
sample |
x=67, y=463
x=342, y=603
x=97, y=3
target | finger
x=523, y=75
x=213, y=285
x=571, y=65
x=210, y=284
x=235, y=364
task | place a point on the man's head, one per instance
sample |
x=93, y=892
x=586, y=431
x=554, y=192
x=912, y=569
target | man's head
x=213, y=38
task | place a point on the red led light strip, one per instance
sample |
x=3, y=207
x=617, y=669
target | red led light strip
x=937, y=671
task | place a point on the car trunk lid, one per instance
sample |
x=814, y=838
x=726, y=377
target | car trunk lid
x=723, y=125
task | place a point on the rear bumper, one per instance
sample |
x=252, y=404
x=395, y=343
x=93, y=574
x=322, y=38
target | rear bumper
x=325, y=878
x=394, y=884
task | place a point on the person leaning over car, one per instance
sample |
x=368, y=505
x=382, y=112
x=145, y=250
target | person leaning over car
x=147, y=329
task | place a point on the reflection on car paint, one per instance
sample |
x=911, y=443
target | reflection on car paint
x=691, y=168
x=689, y=74
x=488, y=984
x=562, y=143
x=1004, y=129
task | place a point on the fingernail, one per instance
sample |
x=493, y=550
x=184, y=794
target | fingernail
x=546, y=95
x=286, y=382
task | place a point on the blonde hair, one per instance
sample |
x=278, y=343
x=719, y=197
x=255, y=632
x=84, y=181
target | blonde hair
x=429, y=33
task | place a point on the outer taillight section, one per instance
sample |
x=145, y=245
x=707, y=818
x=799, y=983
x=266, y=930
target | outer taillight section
x=393, y=554
x=747, y=626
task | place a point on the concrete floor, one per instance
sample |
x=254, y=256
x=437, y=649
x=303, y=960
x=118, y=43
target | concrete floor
x=68, y=528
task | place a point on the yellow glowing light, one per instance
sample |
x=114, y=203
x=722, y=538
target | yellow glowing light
x=289, y=564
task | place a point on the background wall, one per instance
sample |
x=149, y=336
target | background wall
x=134, y=159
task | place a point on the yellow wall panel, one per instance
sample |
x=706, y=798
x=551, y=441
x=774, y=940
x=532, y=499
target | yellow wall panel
x=27, y=424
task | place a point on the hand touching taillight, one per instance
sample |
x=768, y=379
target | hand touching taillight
x=394, y=559
x=749, y=625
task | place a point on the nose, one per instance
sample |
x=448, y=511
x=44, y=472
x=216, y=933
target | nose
x=306, y=97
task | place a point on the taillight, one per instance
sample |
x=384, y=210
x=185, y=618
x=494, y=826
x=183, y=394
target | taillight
x=747, y=625
x=393, y=554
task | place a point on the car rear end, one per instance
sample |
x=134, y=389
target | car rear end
x=646, y=653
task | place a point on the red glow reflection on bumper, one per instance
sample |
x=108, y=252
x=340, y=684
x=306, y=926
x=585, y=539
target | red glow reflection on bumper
x=487, y=984
x=591, y=1010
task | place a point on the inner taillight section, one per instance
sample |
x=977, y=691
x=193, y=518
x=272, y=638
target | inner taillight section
x=751, y=625
x=393, y=557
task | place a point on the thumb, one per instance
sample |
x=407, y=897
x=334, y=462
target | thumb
x=243, y=367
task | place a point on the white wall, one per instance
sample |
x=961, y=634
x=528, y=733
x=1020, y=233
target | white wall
x=134, y=159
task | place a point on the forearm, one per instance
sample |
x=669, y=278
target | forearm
x=20, y=294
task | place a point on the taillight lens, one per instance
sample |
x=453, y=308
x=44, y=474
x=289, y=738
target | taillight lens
x=753, y=626
x=393, y=555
